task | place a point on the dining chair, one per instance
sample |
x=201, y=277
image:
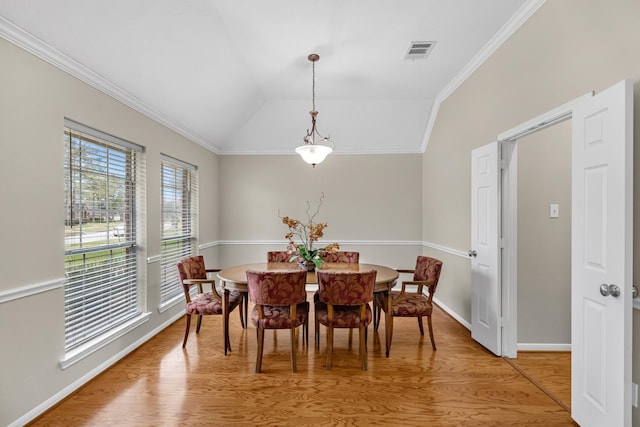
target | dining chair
x=343, y=302
x=278, y=256
x=335, y=257
x=192, y=272
x=413, y=303
x=342, y=256
x=280, y=303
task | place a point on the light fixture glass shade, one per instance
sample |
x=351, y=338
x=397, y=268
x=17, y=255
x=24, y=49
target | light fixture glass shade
x=313, y=154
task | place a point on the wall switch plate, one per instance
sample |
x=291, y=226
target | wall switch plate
x=554, y=210
x=634, y=395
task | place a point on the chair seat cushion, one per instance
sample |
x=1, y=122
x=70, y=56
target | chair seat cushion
x=344, y=316
x=277, y=316
x=205, y=303
x=411, y=305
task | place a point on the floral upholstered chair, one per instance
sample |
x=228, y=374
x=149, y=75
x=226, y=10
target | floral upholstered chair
x=414, y=303
x=342, y=256
x=280, y=303
x=278, y=256
x=192, y=272
x=343, y=302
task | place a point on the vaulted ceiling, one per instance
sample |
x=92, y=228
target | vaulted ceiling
x=233, y=75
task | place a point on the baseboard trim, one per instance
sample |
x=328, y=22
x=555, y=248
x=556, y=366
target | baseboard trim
x=65, y=392
x=543, y=347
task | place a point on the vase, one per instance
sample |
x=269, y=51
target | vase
x=307, y=265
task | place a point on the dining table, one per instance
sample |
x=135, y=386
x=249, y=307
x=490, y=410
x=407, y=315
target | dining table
x=235, y=279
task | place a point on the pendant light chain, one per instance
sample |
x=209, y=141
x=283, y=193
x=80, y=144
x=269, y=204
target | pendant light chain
x=313, y=85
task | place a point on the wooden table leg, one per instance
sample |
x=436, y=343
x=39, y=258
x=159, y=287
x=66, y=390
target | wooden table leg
x=388, y=319
x=246, y=310
x=225, y=320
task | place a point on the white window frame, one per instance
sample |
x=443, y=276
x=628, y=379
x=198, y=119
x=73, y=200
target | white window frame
x=102, y=266
x=179, y=223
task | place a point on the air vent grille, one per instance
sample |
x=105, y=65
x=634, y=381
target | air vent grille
x=419, y=50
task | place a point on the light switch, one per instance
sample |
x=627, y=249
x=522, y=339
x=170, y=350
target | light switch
x=554, y=210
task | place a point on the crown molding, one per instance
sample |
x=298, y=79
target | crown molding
x=507, y=30
x=30, y=43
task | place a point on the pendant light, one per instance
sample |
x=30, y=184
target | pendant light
x=316, y=147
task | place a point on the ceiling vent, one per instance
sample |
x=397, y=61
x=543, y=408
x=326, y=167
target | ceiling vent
x=419, y=50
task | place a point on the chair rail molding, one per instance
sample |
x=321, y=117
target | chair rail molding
x=30, y=290
x=342, y=242
x=446, y=249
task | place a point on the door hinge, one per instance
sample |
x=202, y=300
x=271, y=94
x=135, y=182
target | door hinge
x=502, y=242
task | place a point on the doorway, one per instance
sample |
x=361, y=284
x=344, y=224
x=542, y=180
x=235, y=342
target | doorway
x=544, y=260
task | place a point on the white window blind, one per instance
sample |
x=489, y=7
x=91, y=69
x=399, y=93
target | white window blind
x=179, y=222
x=101, y=174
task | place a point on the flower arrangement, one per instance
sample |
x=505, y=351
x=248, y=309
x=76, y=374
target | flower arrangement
x=308, y=233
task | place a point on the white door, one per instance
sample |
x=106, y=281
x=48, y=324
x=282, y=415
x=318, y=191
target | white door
x=485, y=248
x=601, y=266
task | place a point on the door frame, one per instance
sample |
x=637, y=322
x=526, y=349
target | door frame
x=509, y=285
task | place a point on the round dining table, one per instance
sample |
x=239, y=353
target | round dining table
x=235, y=279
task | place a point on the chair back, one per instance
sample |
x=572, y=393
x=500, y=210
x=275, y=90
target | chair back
x=346, y=287
x=342, y=256
x=427, y=269
x=277, y=287
x=278, y=256
x=191, y=268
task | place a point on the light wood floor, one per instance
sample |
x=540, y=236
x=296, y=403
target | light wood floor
x=550, y=371
x=460, y=384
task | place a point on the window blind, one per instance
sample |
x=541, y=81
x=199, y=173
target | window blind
x=100, y=233
x=179, y=222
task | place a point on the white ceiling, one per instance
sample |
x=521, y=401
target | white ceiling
x=233, y=75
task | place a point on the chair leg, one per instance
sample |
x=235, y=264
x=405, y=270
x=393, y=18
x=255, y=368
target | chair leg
x=199, y=323
x=260, y=332
x=329, y=346
x=363, y=346
x=186, y=332
x=316, y=332
x=420, y=325
x=433, y=343
x=294, y=346
x=375, y=314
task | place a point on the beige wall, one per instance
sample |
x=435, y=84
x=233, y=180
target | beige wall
x=35, y=98
x=566, y=49
x=544, y=244
x=372, y=204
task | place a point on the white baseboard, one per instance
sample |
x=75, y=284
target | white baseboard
x=543, y=347
x=53, y=400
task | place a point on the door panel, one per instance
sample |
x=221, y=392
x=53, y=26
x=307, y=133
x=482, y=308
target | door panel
x=485, y=263
x=602, y=186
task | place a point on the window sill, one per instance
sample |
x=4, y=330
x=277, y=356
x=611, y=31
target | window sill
x=85, y=350
x=171, y=303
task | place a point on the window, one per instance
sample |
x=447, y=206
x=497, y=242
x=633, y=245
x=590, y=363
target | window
x=102, y=173
x=179, y=225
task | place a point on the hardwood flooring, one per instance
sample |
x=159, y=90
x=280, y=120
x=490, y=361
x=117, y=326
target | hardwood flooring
x=550, y=371
x=160, y=384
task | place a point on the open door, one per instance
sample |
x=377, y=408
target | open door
x=485, y=247
x=601, y=266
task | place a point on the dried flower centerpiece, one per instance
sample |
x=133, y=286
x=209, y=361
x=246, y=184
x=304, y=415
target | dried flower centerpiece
x=308, y=233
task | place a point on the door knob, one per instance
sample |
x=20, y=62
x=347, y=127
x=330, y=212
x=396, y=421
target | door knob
x=472, y=253
x=635, y=291
x=606, y=290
